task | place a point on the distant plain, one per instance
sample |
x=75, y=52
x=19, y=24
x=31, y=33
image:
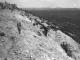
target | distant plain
x=59, y=15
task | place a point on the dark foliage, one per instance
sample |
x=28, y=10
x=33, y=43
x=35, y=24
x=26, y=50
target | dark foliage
x=2, y=34
x=19, y=27
x=66, y=48
x=6, y=5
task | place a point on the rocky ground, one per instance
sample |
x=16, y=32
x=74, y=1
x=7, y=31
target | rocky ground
x=27, y=37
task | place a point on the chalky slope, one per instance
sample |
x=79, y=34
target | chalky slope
x=27, y=37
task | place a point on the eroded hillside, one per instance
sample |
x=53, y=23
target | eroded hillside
x=27, y=37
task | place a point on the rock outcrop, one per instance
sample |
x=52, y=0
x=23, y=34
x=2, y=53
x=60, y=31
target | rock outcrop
x=27, y=37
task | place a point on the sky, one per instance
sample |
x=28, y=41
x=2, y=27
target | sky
x=46, y=3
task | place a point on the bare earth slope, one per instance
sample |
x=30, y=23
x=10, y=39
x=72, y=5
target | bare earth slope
x=26, y=37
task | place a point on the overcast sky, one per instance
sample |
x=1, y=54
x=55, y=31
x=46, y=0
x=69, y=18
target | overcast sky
x=46, y=3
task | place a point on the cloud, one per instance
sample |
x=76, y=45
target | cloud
x=46, y=3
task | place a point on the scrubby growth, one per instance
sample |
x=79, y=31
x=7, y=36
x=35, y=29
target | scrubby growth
x=6, y=5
